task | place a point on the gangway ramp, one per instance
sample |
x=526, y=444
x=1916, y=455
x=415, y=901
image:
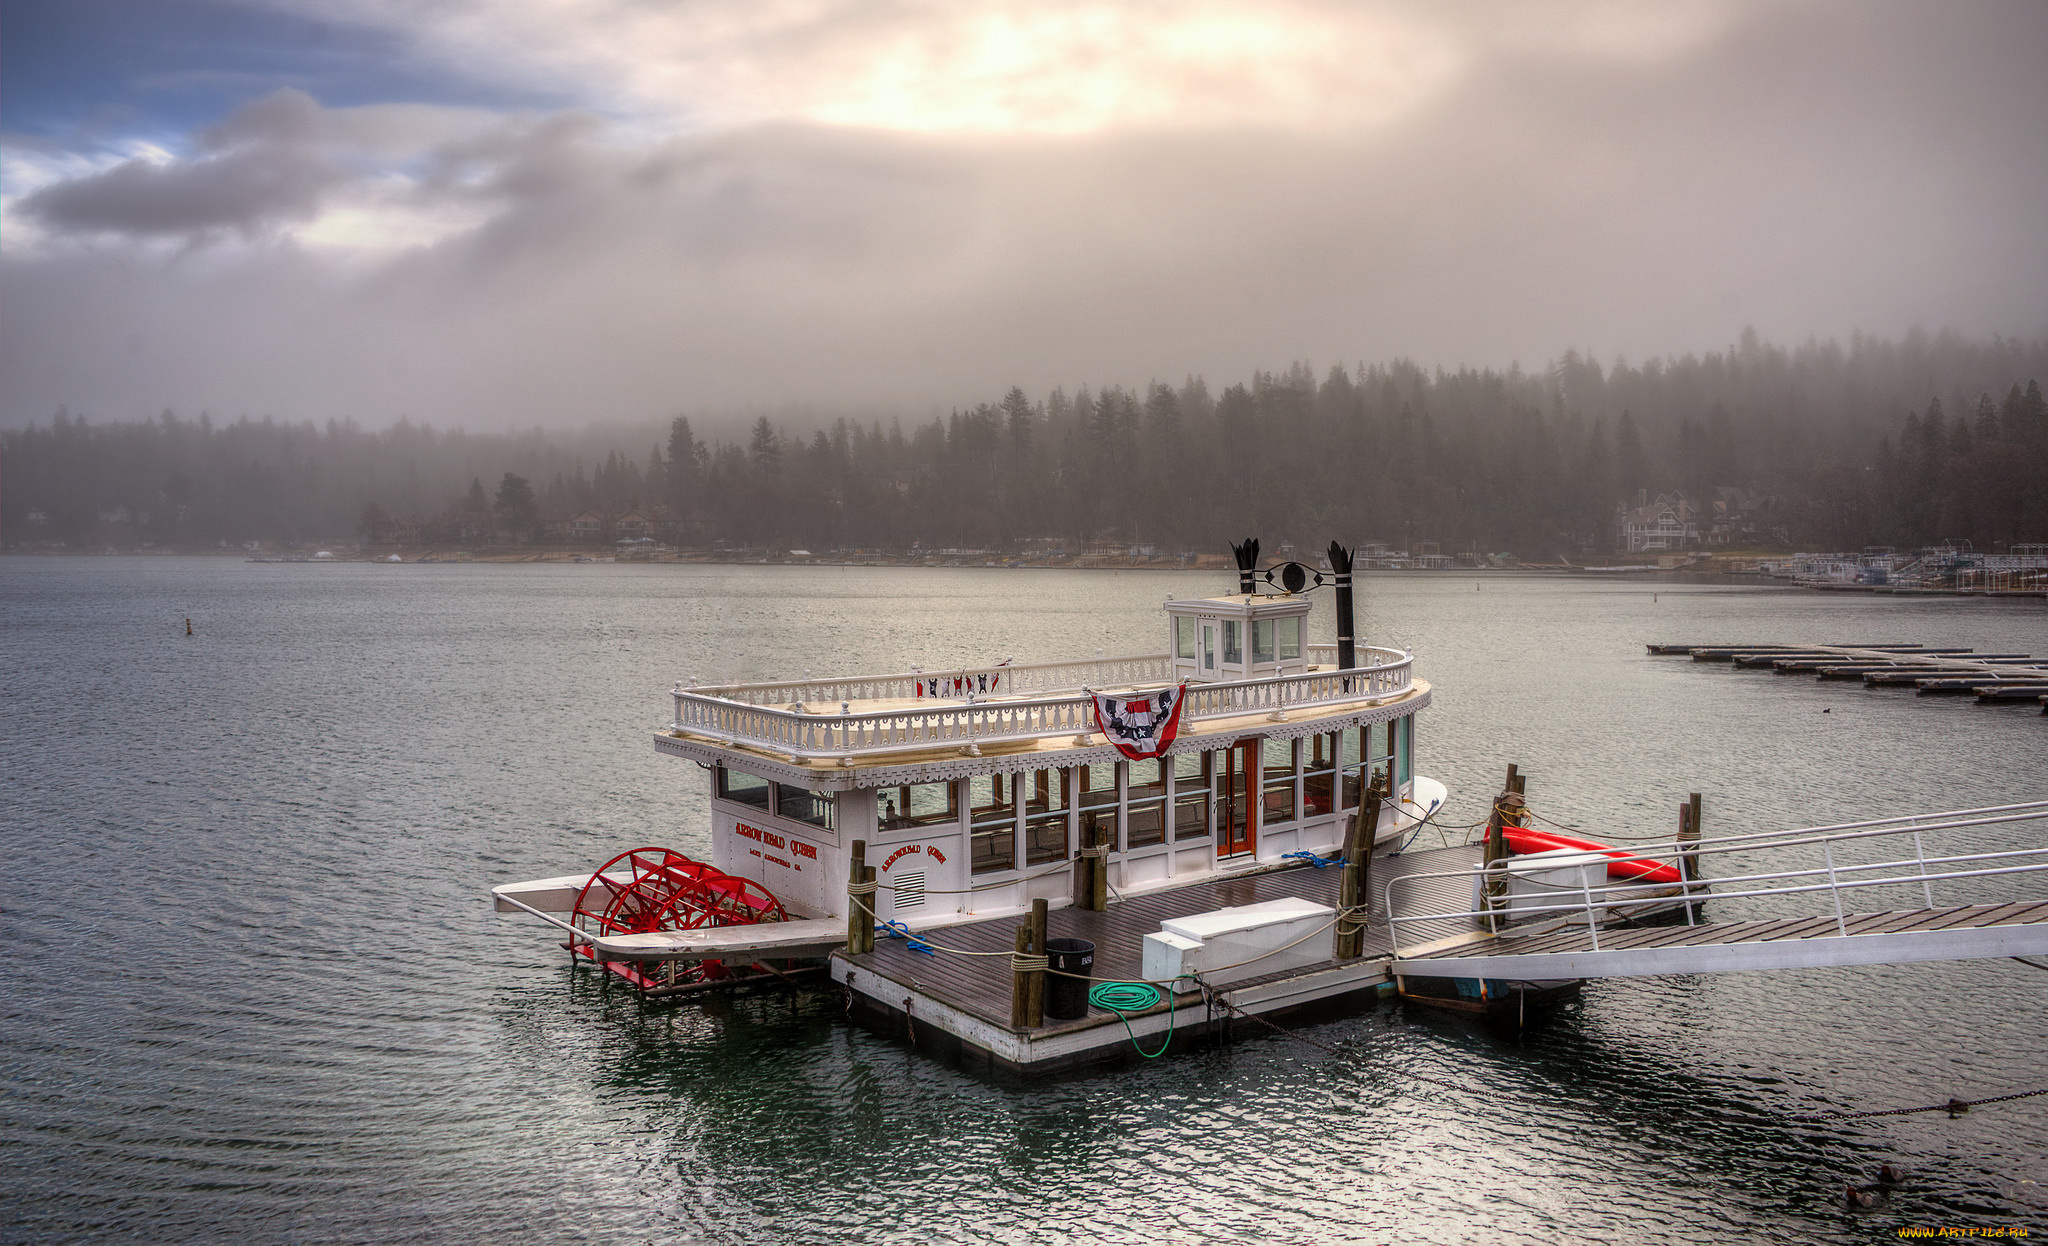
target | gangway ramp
x=1892, y=937
x=1954, y=858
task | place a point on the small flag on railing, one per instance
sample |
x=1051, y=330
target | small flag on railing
x=962, y=684
x=1140, y=726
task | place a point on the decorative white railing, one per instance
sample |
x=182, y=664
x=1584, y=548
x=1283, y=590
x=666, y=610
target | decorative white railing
x=1366, y=655
x=818, y=729
x=1015, y=679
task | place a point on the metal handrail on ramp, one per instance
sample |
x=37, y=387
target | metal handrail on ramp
x=1835, y=936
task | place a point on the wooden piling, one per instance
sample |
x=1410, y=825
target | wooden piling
x=1034, y=1012
x=1689, y=833
x=857, y=912
x=1020, y=983
x=1496, y=843
x=1510, y=808
x=1348, y=937
x=867, y=929
x=1355, y=891
x=1091, y=878
x=1351, y=894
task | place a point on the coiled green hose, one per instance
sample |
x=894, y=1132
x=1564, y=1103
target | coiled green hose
x=1128, y=997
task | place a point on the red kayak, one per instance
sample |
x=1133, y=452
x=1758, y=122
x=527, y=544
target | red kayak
x=1524, y=839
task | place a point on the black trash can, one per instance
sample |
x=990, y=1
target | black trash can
x=1067, y=998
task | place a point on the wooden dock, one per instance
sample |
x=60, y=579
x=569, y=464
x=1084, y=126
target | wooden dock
x=1992, y=678
x=959, y=1006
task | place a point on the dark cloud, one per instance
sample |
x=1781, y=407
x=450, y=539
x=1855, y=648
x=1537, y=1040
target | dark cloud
x=287, y=116
x=263, y=169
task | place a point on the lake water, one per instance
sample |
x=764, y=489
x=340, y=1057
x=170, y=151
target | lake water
x=255, y=989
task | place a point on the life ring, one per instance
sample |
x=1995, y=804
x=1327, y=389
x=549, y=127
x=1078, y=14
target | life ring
x=1523, y=839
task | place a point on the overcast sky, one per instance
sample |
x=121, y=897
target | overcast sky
x=509, y=212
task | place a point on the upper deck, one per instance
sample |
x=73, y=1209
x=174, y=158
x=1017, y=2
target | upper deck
x=977, y=786
x=831, y=728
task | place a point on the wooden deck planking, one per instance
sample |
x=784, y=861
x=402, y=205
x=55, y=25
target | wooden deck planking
x=980, y=985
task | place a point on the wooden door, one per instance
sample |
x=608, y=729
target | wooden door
x=1237, y=794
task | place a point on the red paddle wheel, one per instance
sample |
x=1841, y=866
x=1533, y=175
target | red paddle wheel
x=650, y=889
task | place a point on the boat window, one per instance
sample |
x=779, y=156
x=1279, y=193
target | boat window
x=992, y=796
x=919, y=804
x=1319, y=774
x=1262, y=640
x=1184, y=637
x=1233, y=647
x=1404, y=749
x=1145, y=824
x=744, y=788
x=1277, y=796
x=1191, y=796
x=1046, y=802
x=1290, y=639
x=1277, y=757
x=1097, y=786
x=804, y=805
x=1208, y=646
x=992, y=809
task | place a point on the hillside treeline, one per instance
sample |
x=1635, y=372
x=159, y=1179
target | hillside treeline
x=1880, y=442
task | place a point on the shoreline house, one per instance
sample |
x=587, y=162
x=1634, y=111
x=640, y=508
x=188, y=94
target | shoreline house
x=1670, y=522
x=1737, y=516
x=586, y=528
x=631, y=526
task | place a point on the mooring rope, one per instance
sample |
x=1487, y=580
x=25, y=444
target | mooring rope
x=1954, y=1107
x=1604, y=835
x=1443, y=833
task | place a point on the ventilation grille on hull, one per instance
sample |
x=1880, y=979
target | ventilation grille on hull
x=909, y=890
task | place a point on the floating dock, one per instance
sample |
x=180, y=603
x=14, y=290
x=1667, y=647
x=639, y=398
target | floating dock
x=1993, y=678
x=1433, y=921
x=955, y=1002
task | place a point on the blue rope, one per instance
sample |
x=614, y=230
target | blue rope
x=1312, y=858
x=897, y=930
x=1403, y=845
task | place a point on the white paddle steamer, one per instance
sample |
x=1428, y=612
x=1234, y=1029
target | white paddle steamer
x=974, y=792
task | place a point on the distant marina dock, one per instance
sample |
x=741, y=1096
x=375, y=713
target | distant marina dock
x=1991, y=677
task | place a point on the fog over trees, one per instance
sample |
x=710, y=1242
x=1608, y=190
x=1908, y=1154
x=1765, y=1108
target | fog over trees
x=1901, y=442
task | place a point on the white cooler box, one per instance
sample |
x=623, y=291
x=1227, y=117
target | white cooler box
x=1230, y=945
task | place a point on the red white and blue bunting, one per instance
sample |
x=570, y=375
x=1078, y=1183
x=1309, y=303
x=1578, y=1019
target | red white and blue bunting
x=965, y=684
x=1140, y=726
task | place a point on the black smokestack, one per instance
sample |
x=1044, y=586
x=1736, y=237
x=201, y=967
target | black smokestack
x=1247, y=563
x=1347, y=651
